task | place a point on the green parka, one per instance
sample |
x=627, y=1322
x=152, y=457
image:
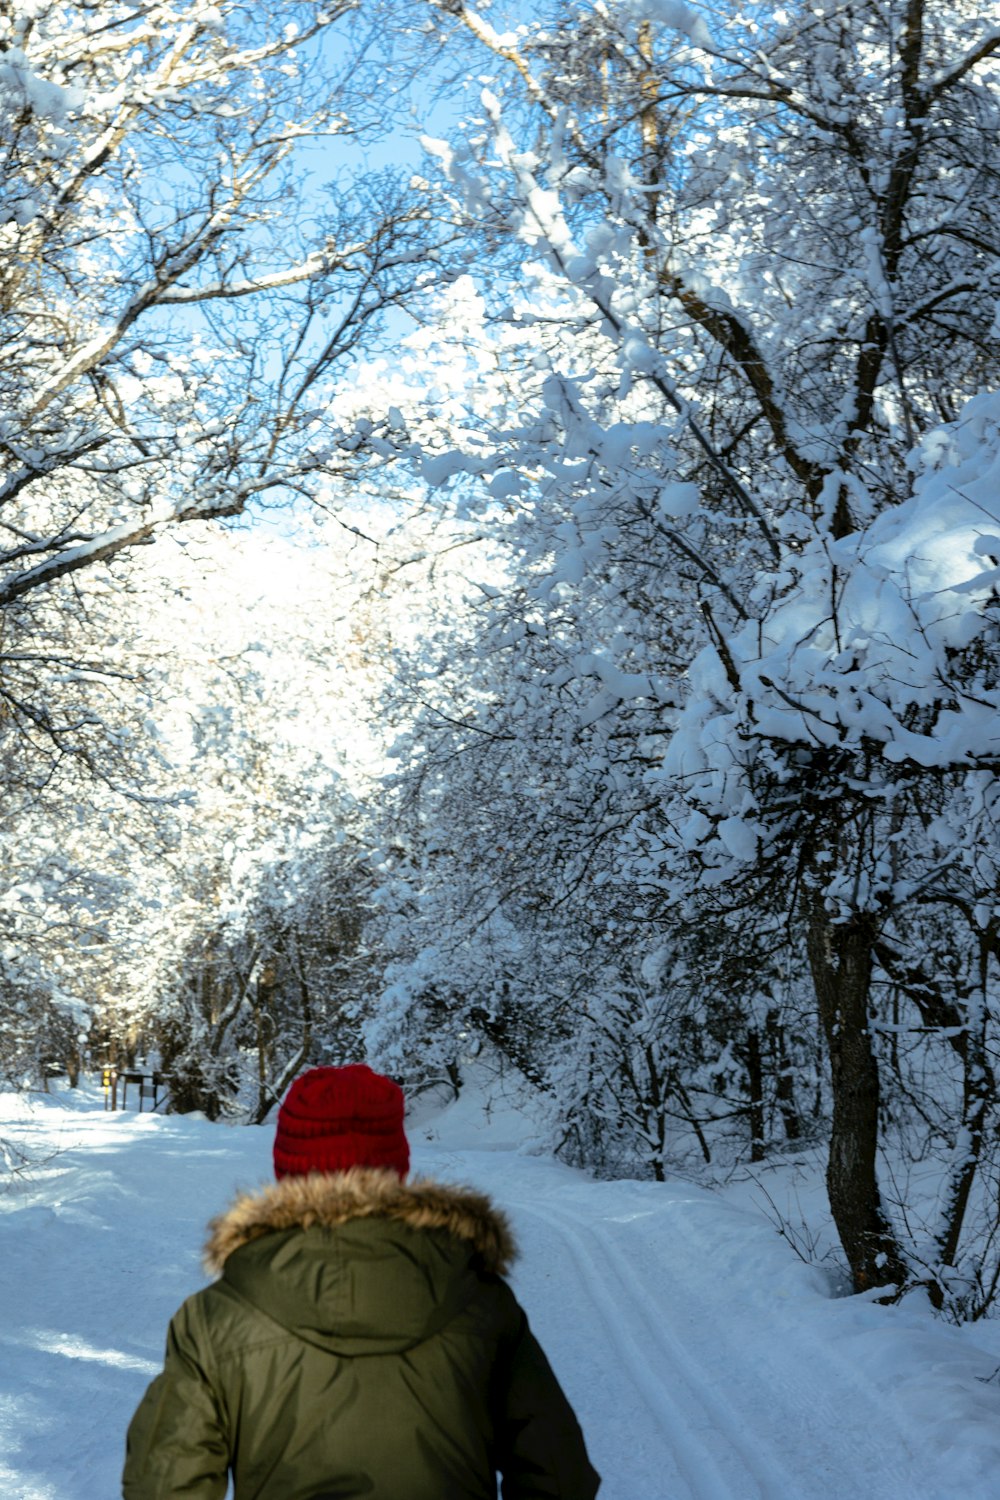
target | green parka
x=360, y=1341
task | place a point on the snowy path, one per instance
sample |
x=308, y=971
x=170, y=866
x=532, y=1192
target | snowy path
x=699, y=1370
x=706, y=1362
x=708, y=1452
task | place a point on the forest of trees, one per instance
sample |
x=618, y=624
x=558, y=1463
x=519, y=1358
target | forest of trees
x=500, y=556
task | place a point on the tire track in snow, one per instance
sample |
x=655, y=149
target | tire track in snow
x=677, y=1394
x=695, y=1461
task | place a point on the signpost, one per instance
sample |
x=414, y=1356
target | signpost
x=149, y=1084
x=109, y=1083
x=149, y=1087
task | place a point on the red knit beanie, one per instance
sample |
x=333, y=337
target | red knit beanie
x=336, y=1118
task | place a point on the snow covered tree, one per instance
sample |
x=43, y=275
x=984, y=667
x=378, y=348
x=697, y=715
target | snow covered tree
x=237, y=736
x=173, y=296
x=733, y=455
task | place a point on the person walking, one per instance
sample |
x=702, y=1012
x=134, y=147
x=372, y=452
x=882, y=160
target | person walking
x=361, y=1338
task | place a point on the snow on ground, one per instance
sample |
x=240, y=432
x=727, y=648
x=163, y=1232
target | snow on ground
x=706, y=1361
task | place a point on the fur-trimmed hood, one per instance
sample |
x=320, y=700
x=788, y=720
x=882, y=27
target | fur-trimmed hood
x=357, y=1262
x=329, y=1200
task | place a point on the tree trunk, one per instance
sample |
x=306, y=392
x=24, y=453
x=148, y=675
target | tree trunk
x=840, y=958
x=655, y=1111
x=784, y=1074
x=755, y=1081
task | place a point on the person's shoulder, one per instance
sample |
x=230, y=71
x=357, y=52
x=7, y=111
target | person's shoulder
x=217, y=1321
x=495, y=1307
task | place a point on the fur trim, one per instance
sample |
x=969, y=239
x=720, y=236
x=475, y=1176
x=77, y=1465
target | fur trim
x=331, y=1198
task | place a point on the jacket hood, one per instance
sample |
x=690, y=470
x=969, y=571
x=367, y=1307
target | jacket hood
x=329, y=1199
x=359, y=1262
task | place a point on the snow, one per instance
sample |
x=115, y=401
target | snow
x=672, y=14
x=42, y=96
x=705, y=1359
x=908, y=593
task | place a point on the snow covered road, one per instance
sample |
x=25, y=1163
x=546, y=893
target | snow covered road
x=696, y=1370
x=705, y=1360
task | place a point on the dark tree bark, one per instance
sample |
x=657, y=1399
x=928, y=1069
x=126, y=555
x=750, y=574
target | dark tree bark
x=840, y=958
x=755, y=1080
